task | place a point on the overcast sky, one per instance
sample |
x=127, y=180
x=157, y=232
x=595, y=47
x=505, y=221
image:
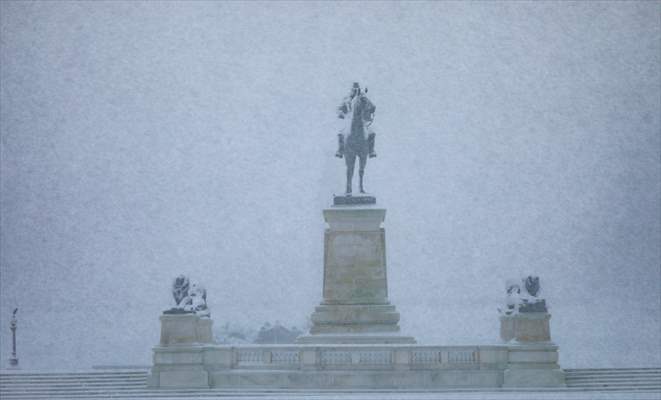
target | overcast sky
x=145, y=140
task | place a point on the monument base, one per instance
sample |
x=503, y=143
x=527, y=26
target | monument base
x=355, y=307
x=354, y=318
x=355, y=323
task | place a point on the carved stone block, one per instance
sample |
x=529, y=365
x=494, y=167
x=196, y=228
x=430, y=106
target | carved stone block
x=355, y=306
x=525, y=327
x=178, y=329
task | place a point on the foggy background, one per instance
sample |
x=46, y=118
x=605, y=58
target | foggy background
x=145, y=140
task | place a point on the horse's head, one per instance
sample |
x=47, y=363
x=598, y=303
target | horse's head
x=364, y=109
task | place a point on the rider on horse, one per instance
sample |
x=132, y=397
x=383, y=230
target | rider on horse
x=358, y=140
x=343, y=111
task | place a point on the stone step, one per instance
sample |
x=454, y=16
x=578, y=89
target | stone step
x=613, y=376
x=117, y=373
x=611, y=370
x=142, y=383
x=629, y=383
x=482, y=394
x=45, y=380
x=617, y=387
x=132, y=384
x=70, y=378
x=218, y=391
x=651, y=374
x=620, y=379
x=613, y=384
x=628, y=376
x=72, y=387
x=585, y=395
x=572, y=373
x=623, y=382
x=74, y=383
x=621, y=388
x=80, y=379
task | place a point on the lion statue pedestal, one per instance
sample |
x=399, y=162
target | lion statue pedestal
x=533, y=358
x=185, y=333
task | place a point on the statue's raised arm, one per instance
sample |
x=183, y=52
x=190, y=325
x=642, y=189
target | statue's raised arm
x=357, y=138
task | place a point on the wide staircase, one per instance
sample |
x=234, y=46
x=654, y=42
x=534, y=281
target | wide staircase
x=611, y=379
x=70, y=385
x=131, y=384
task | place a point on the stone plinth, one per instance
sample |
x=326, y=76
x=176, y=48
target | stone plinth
x=353, y=200
x=533, y=360
x=179, y=366
x=526, y=327
x=355, y=306
x=533, y=365
x=178, y=360
x=178, y=329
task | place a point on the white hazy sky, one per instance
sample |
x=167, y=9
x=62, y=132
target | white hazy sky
x=141, y=140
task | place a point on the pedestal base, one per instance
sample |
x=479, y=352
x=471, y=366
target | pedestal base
x=355, y=307
x=354, y=318
x=179, y=329
x=533, y=365
x=526, y=327
x=179, y=366
x=179, y=360
x=351, y=200
x=355, y=323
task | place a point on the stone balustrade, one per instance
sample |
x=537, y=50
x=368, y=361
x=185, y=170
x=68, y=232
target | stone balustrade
x=352, y=366
x=343, y=356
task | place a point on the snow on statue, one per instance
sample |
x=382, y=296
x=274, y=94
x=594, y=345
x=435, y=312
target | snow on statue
x=523, y=296
x=188, y=299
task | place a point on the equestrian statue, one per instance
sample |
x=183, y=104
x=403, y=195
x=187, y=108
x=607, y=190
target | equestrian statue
x=357, y=139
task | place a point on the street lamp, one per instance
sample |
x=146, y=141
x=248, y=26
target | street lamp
x=13, y=361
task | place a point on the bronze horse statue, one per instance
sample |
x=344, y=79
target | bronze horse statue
x=360, y=140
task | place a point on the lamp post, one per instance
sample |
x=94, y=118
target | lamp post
x=13, y=361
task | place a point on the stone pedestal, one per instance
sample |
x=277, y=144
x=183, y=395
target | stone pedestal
x=179, y=329
x=526, y=327
x=355, y=306
x=533, y=365
x=179, y=359
x=532, y=358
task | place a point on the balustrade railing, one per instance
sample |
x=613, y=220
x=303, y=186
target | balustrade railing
x=341, y=357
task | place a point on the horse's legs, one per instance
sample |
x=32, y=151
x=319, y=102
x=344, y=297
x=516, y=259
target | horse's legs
x=361, y=171
x=350, y=159
x=340, y=145
x=370, y=144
